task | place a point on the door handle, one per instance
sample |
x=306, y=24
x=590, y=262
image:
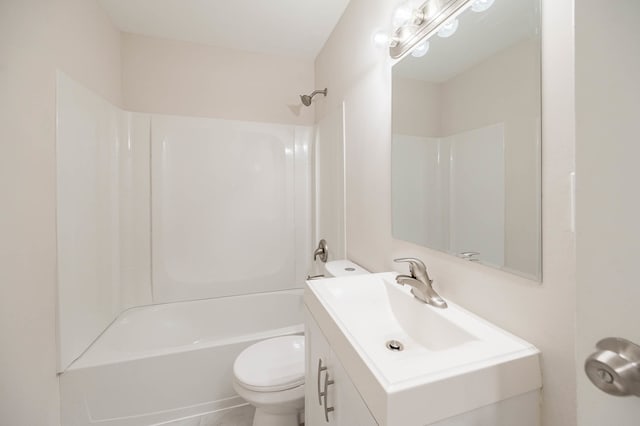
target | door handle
x=615, y=367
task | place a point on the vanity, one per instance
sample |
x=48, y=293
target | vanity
x=465, y=180
x=376, y=355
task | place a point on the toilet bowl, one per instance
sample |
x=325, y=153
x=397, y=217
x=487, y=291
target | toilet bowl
x=270, y=376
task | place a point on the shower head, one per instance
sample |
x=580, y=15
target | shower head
x=306, y=99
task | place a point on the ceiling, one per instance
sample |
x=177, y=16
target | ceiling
x=297, y=28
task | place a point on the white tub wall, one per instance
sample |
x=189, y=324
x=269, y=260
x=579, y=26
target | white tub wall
x=303, y=201
x=87, y=215
x=224, y=207
x=135, y=211
x=103, y=215
x=329, y=187
x=358, y=75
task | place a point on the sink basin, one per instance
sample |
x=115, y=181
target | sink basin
x=434, y=329
x=451, y=360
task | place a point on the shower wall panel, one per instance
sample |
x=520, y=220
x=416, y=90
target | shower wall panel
x=329, y=185
x=223, y=207
x=87, y=216
x=103, y=225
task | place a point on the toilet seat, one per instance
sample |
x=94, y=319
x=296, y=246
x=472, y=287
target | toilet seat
x=272, y=365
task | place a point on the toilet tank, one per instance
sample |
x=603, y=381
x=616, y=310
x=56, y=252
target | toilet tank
x=343, y=268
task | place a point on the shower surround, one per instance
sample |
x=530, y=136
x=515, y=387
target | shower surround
x=156, y=209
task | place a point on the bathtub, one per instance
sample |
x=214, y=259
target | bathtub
x=161, y=363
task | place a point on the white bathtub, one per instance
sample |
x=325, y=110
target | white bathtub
x=165, y=362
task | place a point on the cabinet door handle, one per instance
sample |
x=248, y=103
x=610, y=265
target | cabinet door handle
x=327, y=409
x=320, y=370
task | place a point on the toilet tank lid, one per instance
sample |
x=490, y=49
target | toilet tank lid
x=271, y=365
x=344, y=267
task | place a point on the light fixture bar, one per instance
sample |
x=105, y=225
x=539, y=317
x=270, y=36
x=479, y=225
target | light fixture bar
x=430, y=16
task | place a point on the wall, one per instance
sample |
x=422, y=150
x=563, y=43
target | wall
x=181, y=78
x=358, y=74
x=36, y=37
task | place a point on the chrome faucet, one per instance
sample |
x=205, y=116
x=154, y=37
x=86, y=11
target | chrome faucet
x=420, y=282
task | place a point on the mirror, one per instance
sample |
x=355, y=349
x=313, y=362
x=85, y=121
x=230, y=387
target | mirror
x=466, y=171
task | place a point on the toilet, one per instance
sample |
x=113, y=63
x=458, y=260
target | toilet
x=270, y=376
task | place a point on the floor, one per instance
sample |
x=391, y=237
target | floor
x=235, y=416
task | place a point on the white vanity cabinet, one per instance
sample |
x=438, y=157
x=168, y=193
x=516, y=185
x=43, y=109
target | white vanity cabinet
x=330, y=396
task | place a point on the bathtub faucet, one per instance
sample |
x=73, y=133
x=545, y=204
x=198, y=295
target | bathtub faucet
x=322, y=251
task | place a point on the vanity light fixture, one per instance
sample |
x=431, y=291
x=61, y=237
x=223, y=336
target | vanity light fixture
x=481, y=5
x=448, y=28
x=381, y=39
x=421, y=49
x=414, y=24
x=406, y=14
x=432, y=17
x=402, y=15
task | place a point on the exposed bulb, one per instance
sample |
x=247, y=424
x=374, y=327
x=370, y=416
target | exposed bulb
x=381, y=39
x=448, y=29
x=402, y=15
x=481, y=5
x=421, y=49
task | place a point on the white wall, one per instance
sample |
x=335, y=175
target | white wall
x=360, y=75
x=36, y=37
x=181, y=78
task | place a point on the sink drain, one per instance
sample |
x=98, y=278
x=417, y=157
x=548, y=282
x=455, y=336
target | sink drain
x=394, y=345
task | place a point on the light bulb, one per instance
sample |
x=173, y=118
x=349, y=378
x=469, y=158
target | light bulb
x=402, y=15
x=381, y=39
x=421, y=49
x=481, y=5
x=448, y=29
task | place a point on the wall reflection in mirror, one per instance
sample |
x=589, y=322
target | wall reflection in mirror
x=466, y=139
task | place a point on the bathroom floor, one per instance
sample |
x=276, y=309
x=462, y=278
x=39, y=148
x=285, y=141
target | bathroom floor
x=236, y=416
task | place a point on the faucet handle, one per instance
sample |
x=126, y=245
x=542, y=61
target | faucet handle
x=416, y=266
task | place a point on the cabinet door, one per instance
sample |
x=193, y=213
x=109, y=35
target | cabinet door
x=318, y=358
x=349, y=407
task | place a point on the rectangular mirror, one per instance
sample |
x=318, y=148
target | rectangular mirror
x=466, y=142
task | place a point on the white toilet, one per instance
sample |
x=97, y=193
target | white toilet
x=270, y=376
